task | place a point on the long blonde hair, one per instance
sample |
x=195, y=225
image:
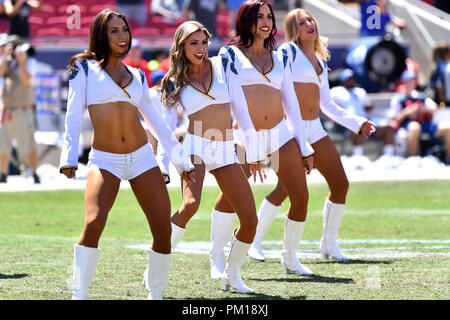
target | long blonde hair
x=292, y=34
x=179, y=63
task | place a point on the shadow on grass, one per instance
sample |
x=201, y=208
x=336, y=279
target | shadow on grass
x=13, y=276
x=353, y=261
x=313, y=278
x=239, y=296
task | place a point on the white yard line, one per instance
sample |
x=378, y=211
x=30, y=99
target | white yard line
x=357, y=252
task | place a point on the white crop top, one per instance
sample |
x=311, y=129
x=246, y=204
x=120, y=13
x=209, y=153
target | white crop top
x=249, y=74
x=222, y=91
x=278, y=77
x=304, y=71
x=194, y=100
x=91, y=85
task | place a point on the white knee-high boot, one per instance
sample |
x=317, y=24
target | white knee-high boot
x=332, y=219
x=84, y=263
x=221, y=230
x=158, y=274
x=293, y=231
x=266, y=214
x=177, y=234
x=232, y=275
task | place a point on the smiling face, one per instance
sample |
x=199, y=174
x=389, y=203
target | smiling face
x=118, y=36
x=196, y=47
x=264, y=22
x=307, y=30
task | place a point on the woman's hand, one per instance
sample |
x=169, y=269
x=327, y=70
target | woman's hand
x=258, y=168
x=188, y=176
x=308, y=163
x=368, y=128
x=69, y=172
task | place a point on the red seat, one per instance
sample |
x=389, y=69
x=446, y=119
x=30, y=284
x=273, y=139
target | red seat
x=58, y=20
x=169, y=31
x=86, y=21
x=35, y=20
x=50, y=32
x=146, y=32
x=95, y=9
x=63, y=9
x=79, y=32
x=46, y=9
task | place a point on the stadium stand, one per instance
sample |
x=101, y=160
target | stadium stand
x=51, y=21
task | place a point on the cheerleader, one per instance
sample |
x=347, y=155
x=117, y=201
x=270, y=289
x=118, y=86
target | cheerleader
x=115, y=95
x=201, y=86
x=265, y=78
x=307, y=52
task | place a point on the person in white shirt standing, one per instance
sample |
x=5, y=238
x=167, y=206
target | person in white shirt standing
x=356, y=101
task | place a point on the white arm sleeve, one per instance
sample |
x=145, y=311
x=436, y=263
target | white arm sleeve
x=292, y=110
x=337, y=113
x=170, y=117
x=76, y=102
x=239, y=107
x=165, y=136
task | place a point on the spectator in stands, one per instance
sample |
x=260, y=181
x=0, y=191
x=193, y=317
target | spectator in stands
x=205, y=12
x=134, y=59
x=18, y=12
x=165, y=64
x=17, y=113
x=356, y=101
x=134, y=10
x=166, y=8
x=159, y=56
x=440, y=76
x=413, y=111
x=233, y=7
x=375, y=17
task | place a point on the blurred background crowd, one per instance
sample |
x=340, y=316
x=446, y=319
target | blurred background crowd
x=390, y=62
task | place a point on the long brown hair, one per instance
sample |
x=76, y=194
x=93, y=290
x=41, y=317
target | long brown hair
x=246, y=20
x=98, y=39
x=291, y=29
x=179, y=63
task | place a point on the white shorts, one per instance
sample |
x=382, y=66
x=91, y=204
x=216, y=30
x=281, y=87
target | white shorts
x=214, y=154
x=314, y=130
x=125, y=166
x=271, y=139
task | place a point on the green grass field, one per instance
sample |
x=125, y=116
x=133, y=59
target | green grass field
x=383, y=224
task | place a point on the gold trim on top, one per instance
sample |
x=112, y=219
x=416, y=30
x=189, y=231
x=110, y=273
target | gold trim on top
x=206, y=94
x=128, y=84
x=264, y=74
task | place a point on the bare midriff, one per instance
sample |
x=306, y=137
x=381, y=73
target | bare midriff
x=308, y=95
x=264, y=105
x=212, y=122
x=117, y=127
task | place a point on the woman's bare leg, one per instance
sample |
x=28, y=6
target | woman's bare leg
x=328, y=161
x=151, y=192
x=192, y=194
x=101, y=191
x=237, y=191
x=291, y=173
x=222, y=204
